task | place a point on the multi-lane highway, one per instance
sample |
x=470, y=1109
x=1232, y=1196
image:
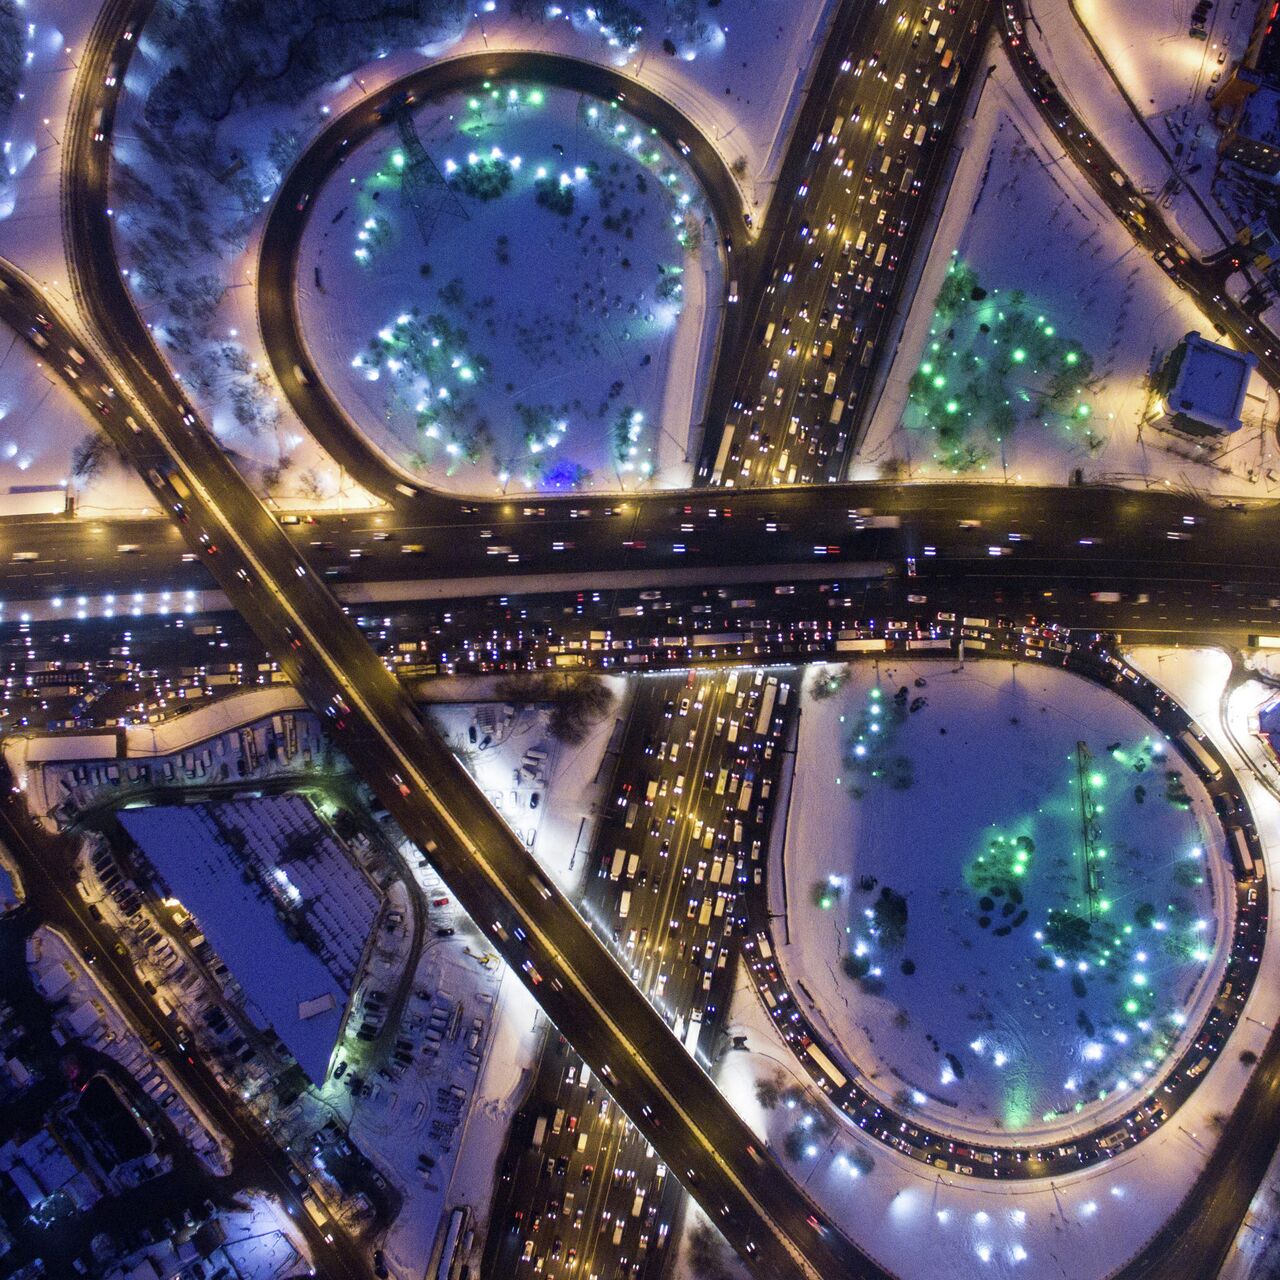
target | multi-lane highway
x=575, y=978
x=1006, y=536
x=848, y=223
x=682, y=830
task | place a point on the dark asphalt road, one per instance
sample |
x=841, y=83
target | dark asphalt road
x=298, y=618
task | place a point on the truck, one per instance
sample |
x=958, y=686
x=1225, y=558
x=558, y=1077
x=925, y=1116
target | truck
x=1191, y=740
x=693, y=1031
x=834, y=1075
x=539, y=1132
x=722, y=455
x=765, y=719
x=1246, y=868
x=624, y=906
x=619, y=861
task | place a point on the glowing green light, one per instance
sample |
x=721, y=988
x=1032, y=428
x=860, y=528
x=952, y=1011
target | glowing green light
x=474, y=104
x=1082, y=411
x=1139, y=979
x=397, y=159
x=953, y=406
x=1105, y=904
x=535, y=97
x=927, y=368
x=939, y=381
x=1019, y=355
x=1131, y=1006
x=1072, y=357
x=1048, y=331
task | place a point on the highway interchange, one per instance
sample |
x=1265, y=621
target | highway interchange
x=1073, y=539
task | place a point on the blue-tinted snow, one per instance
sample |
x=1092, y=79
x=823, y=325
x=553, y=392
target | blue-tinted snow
x=276, y=973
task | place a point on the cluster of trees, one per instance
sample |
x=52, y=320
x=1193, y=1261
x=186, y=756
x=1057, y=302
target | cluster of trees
x=577, y=702
x=225, y=53
x=992, y=361
x=553, y=195
x=487, y=179
x=12, y=57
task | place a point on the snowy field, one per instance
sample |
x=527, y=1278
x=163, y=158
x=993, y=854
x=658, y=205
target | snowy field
x=1150, y=51
x=948, y=935
x=53, y=32
x=50, y=444
x=42, y=430
x=196, y=163
x=921, y=1224
x=1079, y=320
x=531, y=340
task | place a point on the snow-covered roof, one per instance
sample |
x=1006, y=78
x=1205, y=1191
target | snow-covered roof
x=1209, y=383
x=73, y=746
x=1260, y=118
x=278, y=975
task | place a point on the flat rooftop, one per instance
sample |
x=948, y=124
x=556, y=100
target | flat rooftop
x=280, y=977
x=1210, y=382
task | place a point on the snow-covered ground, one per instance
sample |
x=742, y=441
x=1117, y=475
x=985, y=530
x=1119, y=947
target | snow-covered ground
x=419, y=1112
x=991, y=994
x=1154, y=57
x=190, y=195
x=1080, y=319
x=921, y=1224
x=30, y=215
x=50, y=443
x=259, y=1240
x=533, y=340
